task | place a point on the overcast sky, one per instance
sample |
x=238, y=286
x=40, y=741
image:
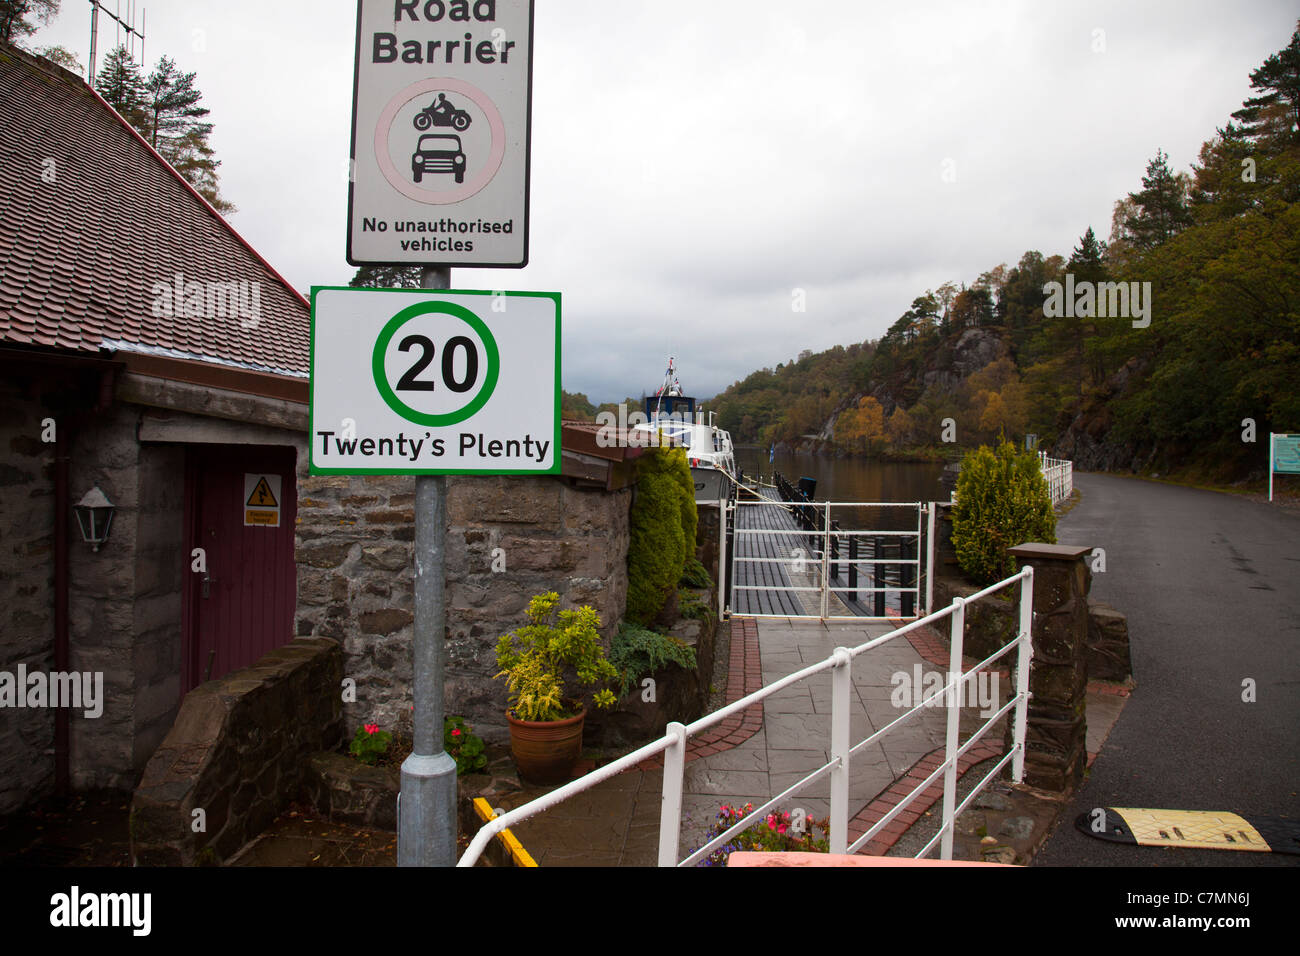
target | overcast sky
x=694, y=163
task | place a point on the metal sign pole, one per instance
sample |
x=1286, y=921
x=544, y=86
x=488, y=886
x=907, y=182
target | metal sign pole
x=426, y=826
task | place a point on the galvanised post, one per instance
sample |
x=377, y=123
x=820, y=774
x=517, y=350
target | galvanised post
x=722, y=555
x=826, y=557
x=670, y=813
x=953, y=695
x=853, y=566
x=1023, y=661
x=841, y=691
x=931, y=554
x=426, y=820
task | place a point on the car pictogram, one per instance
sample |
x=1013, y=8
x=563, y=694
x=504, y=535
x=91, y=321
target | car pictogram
x=438, y=153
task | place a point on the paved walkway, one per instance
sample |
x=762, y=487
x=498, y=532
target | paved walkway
x=617, y=822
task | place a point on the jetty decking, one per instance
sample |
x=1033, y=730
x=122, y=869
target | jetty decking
x=779, y=540
x=770, y=531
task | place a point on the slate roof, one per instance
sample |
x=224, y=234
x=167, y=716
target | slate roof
x=91, y=219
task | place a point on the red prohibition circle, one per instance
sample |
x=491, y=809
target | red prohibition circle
x=471, y=185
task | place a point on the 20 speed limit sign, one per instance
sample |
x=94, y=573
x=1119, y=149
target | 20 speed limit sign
x=433, y=382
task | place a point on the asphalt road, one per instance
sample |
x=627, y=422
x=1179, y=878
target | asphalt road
x=1211, y=586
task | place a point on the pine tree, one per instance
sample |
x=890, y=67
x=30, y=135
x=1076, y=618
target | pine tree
x=171, y=105
x=22, y=18
x=1272, y=119
x=1160, y=210
x=171, y=119
x=119, y=82
x=387, y=277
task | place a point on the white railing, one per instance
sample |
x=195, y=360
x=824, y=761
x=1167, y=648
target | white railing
x=1059, y=475
x=832, y=553
x=840, y=663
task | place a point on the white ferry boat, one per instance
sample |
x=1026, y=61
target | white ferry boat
x=708, y=448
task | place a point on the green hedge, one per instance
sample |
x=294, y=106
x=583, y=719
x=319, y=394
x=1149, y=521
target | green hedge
x=663, y=524
x=1002, y=500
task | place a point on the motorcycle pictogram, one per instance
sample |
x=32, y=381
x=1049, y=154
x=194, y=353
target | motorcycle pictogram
x=441, y=113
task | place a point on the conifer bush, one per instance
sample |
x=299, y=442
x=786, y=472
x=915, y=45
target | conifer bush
x=663, y=523
x=1002, y=501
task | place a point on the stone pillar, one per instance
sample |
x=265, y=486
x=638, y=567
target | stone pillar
x=1055, y=747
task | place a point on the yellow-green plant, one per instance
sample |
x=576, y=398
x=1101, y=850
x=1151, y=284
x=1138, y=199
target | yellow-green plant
x=662, y=529
x=533, y=658
x=1002, y=501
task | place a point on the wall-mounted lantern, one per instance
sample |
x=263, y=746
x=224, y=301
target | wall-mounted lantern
x=95, y=516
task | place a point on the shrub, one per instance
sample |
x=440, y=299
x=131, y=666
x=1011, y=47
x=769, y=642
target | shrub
x=533, y=659
x=695, y=575
x=1002, y=500
x=636, y=652
x=690, y=605
x=663, y=523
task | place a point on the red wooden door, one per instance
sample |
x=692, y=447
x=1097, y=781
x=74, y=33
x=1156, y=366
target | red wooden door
x=243, y=605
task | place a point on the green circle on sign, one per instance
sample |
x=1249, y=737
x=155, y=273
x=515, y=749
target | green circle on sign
x=380, y=372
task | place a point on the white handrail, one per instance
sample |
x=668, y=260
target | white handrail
x=673, y=743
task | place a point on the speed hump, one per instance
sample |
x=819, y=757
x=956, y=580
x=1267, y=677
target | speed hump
x=434, y=382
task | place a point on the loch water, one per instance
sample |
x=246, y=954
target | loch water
x=855, y=479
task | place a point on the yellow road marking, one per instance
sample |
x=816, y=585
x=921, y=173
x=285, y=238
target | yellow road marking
x=518, y=854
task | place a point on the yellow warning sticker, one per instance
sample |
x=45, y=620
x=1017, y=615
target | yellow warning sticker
x=261, y=500
x=262, y=495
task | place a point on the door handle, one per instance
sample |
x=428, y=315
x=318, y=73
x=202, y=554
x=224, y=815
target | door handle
x=207, y=581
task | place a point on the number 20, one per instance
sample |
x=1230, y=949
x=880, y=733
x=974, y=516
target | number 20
x=409, y=382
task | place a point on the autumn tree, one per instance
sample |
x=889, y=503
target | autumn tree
x=862, y=428
x=21, y=18
x=899, y=427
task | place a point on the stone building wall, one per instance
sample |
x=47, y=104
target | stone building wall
x=161, y=566
x=102, y=602
x=508, y=538
x=26, y=591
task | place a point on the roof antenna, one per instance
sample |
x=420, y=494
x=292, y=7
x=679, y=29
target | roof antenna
x=131, y=31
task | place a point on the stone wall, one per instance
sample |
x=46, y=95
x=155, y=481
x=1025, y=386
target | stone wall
x=161, y=566
x=508, y=538
x=26, y=592
x=239, y=751
x=102, y=611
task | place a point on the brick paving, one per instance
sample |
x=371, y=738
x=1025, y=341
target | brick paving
x=753, y=755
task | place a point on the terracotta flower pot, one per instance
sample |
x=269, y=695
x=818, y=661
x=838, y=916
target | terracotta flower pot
x=546, y=750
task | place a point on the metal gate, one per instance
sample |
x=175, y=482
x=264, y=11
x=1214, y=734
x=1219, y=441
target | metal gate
x=814, y=559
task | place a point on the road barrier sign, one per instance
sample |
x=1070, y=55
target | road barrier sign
x=432, y=382
x=441, y=131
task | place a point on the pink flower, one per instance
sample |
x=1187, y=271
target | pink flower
x=781, y=828
x=455, y=733
x=372, y=728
